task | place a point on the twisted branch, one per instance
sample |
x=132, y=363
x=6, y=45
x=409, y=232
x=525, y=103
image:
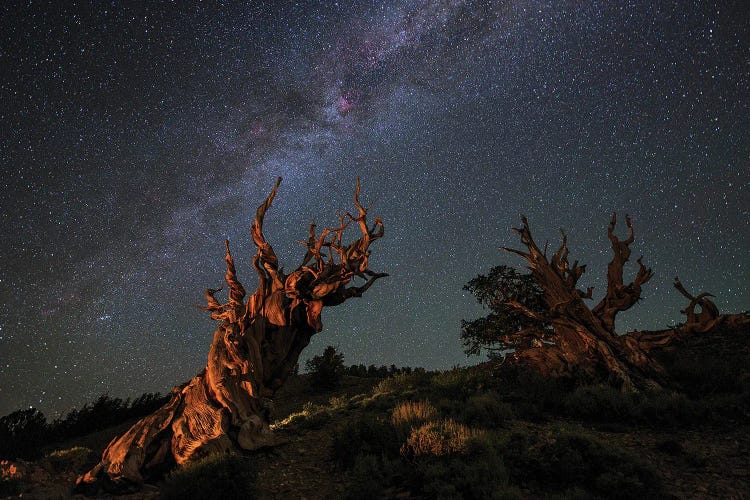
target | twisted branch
x=620, y=297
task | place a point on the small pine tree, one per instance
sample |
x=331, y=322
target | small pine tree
x=22, y=433
x=328, y=369
x=495, y=332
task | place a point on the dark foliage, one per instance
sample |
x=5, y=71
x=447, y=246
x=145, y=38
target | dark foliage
x=102, y=413
x=24, y=433
x=369, y=448
x=10, y=486
x=486, y=410
x=74, y=459
x=718, y=364
x=479, y=474
x=532, y=397
x=495, y=290
x=570, y=460
x=327, y=369
x=367, y=435
x=377, y=372
x=215, y=477
x=484, y=460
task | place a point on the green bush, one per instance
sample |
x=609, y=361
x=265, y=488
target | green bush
x=456, y=384
x=533, y=396
x=214, y=477
x=336, y=403
x=562, y=460
x=478, y=473
x=372, y=476
x=379, y=403
x=601, y=402
x=366, y=435
x=707, y=365
x=453, y=380
x=462, y=478
x=74, y=459
x=486, y=410
x=450, y=407
x=669, y=409
x=402, y=382
x=312, y=416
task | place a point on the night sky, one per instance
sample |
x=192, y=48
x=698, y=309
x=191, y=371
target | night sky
x=136, y=138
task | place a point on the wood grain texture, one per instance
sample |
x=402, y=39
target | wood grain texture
x=256, y=346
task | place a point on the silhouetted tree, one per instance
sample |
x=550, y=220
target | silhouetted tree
x=25, y=433
x=499, y=290
x=22, y=433
x=327, y=369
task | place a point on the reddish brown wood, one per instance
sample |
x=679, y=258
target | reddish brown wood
x=583, y=342
x=255, y=348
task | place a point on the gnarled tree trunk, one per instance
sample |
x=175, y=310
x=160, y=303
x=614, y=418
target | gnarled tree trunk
x=255, y=348
x=583, y=342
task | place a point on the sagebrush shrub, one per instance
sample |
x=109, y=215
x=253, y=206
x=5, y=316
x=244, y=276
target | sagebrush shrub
x=311, y=416
x=366, y=435
x=486, y=410
x=568, y=459
x=438, y=438
x=73, y=459
x=214, y=477
x=412, y=413
x=402, y=382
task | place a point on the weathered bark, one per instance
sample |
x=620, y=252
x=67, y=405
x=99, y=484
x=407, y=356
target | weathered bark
x=255, y=348
x=583, y=342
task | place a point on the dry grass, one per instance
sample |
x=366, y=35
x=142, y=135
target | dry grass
x=312, y=416
x=73, y=459
x=438, y=438
x=413, y=413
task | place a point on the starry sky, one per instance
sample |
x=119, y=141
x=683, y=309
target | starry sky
x=136, y=136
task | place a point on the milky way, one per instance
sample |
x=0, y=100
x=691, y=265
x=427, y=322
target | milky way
x=136, y=138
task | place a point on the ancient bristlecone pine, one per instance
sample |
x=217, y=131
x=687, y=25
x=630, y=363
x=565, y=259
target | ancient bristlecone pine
x=254, y=350
x=582, y=341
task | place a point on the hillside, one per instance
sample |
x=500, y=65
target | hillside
x=479, y=432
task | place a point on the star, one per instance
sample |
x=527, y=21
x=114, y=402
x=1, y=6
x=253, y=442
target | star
x=137, y=138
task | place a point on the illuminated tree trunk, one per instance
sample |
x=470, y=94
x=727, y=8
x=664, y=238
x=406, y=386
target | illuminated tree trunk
x=583, y=343
x=227, y=406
